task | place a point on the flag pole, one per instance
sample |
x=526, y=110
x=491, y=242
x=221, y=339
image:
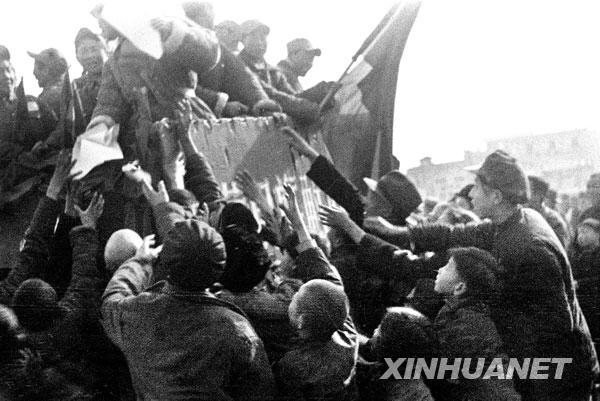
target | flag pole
x=382, y=24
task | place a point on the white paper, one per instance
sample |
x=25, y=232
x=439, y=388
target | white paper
x=133, y=18
x=94, y=147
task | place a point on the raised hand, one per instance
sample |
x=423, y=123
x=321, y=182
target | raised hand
x=334, y=217
x=62, y=174
x=72, y=191
x=90, y=216
x=184, y=127
x=251, y=190
x=153, y=197
x=147, y=251
x=134, y=172
x=300, y=144
x=338, y=218
x=292, y=211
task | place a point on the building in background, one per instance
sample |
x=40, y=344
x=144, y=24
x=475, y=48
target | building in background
x=565, y=159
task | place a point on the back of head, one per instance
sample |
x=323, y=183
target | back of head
x=237, y=214
x=479, y=270
x=405, y=333
x=193, y=255
x=400, y=192
x=184, y=198
x=324, y=307
x=121, y=246
x=247, y=260
x=201, y=12
x=538, y=185
x=35, y=304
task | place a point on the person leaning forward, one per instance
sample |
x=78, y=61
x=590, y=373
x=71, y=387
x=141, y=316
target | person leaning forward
x=180, y=341
x=188, y=50
x=537, y=313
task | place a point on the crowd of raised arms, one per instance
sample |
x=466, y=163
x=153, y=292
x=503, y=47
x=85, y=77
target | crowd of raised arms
x=141, y=280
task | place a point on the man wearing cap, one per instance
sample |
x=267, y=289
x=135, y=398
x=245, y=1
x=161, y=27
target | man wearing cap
x=230, y=35
x=537, y=313
x=180, y=341
x=24, y=120
x=300, y=56
x=91, y=53
x=394, y=197
x=140, y=87
x=230, y=89
x=188, y=50
x=593, y=194
x=254, y=38
x=539, y=191
x=49, y=69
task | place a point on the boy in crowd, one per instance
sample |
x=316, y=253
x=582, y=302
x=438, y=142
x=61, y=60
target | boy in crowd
x=322, y=363
x=403, y=333
x=464, y=325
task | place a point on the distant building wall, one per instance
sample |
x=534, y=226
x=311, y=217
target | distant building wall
x=565, y=159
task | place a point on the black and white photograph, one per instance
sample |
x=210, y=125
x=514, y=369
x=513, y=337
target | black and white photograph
x=299, y=200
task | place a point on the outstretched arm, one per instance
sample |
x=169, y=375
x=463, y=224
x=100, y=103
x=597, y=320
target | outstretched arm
x=327, y=177
x=376, y=255
x=311, y=263
x=84, y=290
x=199, y=177
x=35, y=248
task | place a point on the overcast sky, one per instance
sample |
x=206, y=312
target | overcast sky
x=472, y=69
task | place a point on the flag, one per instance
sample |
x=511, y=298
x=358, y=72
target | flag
x=358, y=131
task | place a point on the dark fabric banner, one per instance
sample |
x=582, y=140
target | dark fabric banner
x=358, y=131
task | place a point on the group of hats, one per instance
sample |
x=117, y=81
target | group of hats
x=249, y=26
x=499, y=171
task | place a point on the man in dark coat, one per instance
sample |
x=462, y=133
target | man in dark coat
x=179, y=340
x=230, y=88
x=393, y=197
x=254, y=37
x=537, y=314
x=188, y=50
x=49, y=69
x=91, y=53
x=299, y=61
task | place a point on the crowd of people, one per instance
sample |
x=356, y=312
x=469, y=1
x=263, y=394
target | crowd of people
x=141, y=281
